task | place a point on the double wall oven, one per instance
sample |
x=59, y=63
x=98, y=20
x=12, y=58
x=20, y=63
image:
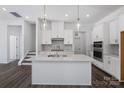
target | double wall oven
x=98, y=50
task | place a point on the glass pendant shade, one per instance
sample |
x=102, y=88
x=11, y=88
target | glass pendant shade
x=44, y=20
x=78, y=26
x=78, y=19
x=44, y=25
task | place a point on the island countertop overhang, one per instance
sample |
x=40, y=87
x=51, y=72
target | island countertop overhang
x=70, y=58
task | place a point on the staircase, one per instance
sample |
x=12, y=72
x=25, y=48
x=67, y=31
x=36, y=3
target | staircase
x=27, y=59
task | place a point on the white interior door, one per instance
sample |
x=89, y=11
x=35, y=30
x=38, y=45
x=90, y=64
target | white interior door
x=12, y=47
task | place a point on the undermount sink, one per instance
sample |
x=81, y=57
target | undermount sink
x=57, y=55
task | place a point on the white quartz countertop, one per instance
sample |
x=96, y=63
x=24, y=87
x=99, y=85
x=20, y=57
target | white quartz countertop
x=111, y=55
x=70, y=57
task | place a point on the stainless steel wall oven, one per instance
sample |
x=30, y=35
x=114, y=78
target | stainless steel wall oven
x=98, y=50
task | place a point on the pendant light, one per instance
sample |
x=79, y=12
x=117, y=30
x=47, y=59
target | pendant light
x=44, y=24
x=78, y=19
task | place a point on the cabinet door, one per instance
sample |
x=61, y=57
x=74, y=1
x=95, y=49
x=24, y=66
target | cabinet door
x=57, y=29
x=98, y=33
x=111, y=66
x=49, y=36
x=60, y=29
x=107, y=64
x=94, y=35
x=68, y=37
x=46, y=37
x=113, y=28
x=54, y=30
x=115, y=67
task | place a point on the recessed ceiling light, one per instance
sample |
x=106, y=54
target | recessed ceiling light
x=4, y=9
x=87, y=15
x=66, y=15
x=27, y=17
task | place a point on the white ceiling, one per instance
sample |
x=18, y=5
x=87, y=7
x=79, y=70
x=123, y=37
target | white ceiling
x=57, y=12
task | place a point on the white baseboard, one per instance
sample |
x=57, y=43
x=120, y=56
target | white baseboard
x=11, y=60
x=3, y=62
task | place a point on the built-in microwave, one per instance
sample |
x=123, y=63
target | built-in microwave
x=98, y=44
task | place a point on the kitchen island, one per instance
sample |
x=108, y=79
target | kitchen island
x=63, y=70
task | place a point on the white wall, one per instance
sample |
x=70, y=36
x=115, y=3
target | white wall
x=70, y=25
x=38, y=36
x=15, y=30
x=4, y=48
x=3, y=43
x=111, y=16
x=33, y=36
x=29, y=37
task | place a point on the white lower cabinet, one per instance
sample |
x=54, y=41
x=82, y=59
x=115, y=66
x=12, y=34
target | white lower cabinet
x=115, y=67
x=107, y=64
x=111, y=66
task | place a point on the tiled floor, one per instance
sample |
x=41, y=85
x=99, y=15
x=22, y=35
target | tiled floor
x=15, y=76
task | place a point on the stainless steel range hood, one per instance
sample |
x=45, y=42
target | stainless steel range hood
x=58, y=39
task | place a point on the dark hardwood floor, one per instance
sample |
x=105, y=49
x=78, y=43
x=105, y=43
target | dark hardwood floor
x=14, y=76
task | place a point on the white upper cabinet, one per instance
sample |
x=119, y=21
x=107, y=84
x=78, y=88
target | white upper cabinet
x=57, y=29
x=68, y=36
x=54, y=29
x=114, y=33
x=46, y=37
x=57, y=32
x=121, y=22
x=97, y=34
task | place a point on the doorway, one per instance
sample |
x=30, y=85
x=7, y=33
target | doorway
x=14, y=42
x=122, y=55
x=79, y=43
